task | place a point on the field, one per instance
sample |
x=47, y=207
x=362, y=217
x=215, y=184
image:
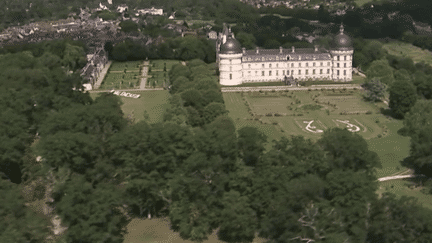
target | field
x=278, y=114
x=130, y=66
x=288, y=113
x=362, y=2
x=158, y=76
x=391, y=149
x=398, y=48
x=158, y=231
x=153, y=103
x=116, y=78
x=407, y=187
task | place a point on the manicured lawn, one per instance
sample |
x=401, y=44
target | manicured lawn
x=158, y=75
x=402, y=188
x=120, y=81
x=158, y=231
x=159, y=64
x=362, y=2
x=296, y=113
x=398, y=48
x=121, y=66
x=153, y=102
x=117, y=79
x=158, y=79
x=391, y=148
x=357, y=79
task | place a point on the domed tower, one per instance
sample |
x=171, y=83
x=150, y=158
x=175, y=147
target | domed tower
x=230, y=62
x=342, y=53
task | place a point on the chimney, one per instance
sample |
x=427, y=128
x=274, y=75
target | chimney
x=292, y=49
x=257, y=50
x=316, y=48
x=244, y=50
x=280, y=49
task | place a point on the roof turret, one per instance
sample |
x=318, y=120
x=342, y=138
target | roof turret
x=231, y=46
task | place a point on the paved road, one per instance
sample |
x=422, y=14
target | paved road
x=102, y=75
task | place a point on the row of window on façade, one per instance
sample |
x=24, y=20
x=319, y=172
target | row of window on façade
x=292, y=73
x=269, y=65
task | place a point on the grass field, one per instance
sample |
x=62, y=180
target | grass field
x=121, y=66
x=406, y=187
x=362, y=2
x=288, y=112
x=391, y=148
x=158, y=231
x=398, y=48
x=153, y=102
x=117, y=79
x=159, y=64
x=379, y=131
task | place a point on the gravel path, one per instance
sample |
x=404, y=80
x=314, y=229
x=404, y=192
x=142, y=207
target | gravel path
x=144, y=74
x=279, y=88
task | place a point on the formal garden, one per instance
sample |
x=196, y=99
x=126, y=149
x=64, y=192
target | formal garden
x=123, y=75
x=158, y=73
x=309, y=113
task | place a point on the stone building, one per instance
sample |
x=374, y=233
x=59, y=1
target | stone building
x=238, y=65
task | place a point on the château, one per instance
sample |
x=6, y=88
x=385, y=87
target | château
x=238, y=65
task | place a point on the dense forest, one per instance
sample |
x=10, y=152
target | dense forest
x=102, y=169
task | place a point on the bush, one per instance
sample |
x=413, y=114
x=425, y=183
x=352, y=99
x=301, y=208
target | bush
x=368, y=112
x=300, y=114
x=379, y=135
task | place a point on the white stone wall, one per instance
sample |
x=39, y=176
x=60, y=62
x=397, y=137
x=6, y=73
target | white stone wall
x=342, y=64
x=235, y=72
x=230, y=69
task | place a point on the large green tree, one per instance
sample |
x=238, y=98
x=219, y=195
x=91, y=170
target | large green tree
x=19, y=223
x=403, y=96
x=91, y=214
x=417, y=126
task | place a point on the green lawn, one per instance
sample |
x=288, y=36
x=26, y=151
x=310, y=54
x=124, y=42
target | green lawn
x=398, y=48
x=120, y=81
x=406, y=187
x=159, y=64
x=158, y=79
x=362, y=2
x=391, y=148
x=154, y=102
x=158, y=231
x=121, y=66
x=117, y=79
x=280, y=114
